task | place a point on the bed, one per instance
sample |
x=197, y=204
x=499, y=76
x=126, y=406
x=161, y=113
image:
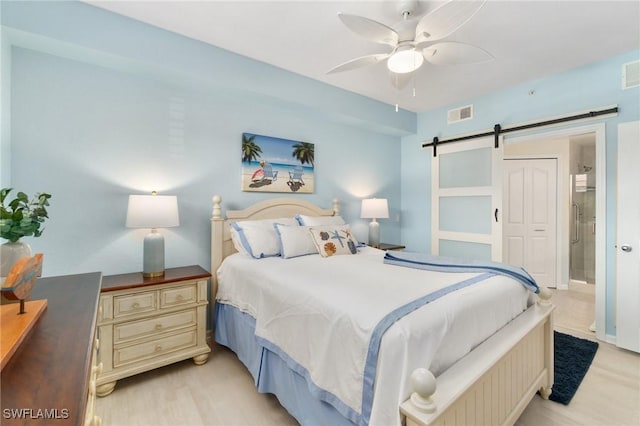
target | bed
x=382, y=366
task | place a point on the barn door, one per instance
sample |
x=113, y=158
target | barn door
x=466, y=194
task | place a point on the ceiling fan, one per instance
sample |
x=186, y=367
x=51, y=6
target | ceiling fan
x=412, y=40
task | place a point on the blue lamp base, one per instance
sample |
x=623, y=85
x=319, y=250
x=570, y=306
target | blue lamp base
x=153, y=255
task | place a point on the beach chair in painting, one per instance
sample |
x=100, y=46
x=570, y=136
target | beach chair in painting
x=269, y=173
x=265, y=175
x=295, y=175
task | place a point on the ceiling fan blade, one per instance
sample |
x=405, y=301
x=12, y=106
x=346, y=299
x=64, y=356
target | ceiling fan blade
x=446, y=19
x=359, y=62
x=370, y=29
x=453, y=53
x=400, y=81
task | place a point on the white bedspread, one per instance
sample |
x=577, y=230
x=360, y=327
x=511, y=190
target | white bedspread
x=321, y=312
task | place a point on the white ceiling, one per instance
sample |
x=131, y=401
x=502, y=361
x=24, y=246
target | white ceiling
x=529, y=40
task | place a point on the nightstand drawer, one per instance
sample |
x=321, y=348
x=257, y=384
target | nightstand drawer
x=134, y=303
x=136, y=329
x=159, y=347
x=178, y=296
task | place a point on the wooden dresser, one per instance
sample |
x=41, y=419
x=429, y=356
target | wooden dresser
x=51, y=378
x=146, y=323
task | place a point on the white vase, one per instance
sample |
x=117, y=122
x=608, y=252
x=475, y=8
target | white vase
x=10, y=253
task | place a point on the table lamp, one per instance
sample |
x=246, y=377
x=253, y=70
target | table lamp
x=374, y=208
x=152, y=211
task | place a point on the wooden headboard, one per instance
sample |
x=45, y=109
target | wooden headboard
x=221, y=245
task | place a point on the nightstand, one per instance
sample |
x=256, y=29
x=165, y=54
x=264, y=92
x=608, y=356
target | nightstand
x=145, y=323
x=392, y=247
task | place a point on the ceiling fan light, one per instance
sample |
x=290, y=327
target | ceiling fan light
x=404, y=61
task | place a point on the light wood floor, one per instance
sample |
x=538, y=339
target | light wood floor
x=221, y=392
x=610, y=392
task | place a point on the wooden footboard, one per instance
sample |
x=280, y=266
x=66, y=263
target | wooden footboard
x=494, y=383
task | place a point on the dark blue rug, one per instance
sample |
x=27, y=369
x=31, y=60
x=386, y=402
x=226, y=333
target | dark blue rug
x=573, y=356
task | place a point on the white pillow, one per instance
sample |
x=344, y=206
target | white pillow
x=295, y=241
x=235, y=238
x=319, y=220
x=259, y=238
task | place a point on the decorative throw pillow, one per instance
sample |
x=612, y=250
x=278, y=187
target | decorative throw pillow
x=294, y=241
x=334, y=240
x=319, y=220
x=259, y=238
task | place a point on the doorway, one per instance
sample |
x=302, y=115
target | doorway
x=557, y=144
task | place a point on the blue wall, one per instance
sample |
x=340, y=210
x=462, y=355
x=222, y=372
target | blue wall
x=581, y=89
x=5, y=108
x=103, y=107
x=96, y=106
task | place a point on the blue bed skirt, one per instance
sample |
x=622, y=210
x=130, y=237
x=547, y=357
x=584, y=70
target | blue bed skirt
x=236, y=330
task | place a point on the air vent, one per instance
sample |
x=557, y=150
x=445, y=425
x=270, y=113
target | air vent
x=460, y=114
x=631, y=75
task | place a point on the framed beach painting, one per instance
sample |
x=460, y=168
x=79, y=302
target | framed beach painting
x=272, y=164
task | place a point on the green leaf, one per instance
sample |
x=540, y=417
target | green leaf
x=22, y=217
x=3, y=194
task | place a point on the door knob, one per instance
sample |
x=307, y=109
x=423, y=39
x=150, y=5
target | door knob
x=626, y=247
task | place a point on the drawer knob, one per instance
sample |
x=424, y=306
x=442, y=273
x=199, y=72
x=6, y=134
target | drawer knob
x=158, y=326
x=158, y=348
x=180, y=298
x=136, y=305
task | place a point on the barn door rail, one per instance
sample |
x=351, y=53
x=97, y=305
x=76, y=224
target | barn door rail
x=498, y=129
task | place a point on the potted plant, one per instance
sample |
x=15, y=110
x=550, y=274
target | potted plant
x=19, y=217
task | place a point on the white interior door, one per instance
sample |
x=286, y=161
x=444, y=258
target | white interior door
x=529, y=217
x=466, y=194
x=628, y=238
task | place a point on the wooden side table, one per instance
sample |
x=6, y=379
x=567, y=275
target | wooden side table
x=392, y=247
x=145, y=323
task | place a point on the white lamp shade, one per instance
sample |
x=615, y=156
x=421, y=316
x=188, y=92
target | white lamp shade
x=374, y=208
x=152, y=211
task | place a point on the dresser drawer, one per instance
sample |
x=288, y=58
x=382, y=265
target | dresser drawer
x=134, y=303
x=136, y=329
x=178, y=296
x=129, y=354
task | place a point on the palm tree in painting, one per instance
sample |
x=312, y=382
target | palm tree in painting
x=250, y=150
x=303, y=152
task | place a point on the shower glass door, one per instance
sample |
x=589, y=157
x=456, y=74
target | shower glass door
x=583, y=221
